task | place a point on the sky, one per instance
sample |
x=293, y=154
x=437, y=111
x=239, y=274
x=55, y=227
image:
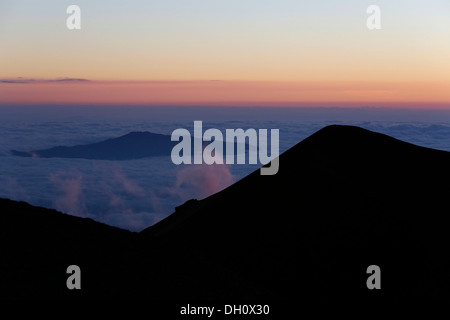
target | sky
x=234, y=52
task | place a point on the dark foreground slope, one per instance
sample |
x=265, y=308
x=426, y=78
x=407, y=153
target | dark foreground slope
x=343, y=199
x=37, y=245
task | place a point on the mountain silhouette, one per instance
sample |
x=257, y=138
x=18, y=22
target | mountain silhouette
x=344, y=199
x=134, y=145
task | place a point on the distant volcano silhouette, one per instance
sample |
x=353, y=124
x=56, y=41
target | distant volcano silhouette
x=344, y=199
x=134, y=145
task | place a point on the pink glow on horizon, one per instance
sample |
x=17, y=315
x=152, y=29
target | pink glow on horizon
x=226, y=93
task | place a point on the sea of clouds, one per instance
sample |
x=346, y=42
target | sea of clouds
x=135, y=194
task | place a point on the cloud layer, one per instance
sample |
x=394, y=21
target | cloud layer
x=138, y=193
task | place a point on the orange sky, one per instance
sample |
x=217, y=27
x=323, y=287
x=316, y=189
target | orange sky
x=231, y=93
x=284, y=52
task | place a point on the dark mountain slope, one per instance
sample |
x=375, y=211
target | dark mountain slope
x=37, y=245
x=343, y=199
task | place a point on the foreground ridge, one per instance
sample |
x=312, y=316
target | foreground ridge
x=344, y=199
